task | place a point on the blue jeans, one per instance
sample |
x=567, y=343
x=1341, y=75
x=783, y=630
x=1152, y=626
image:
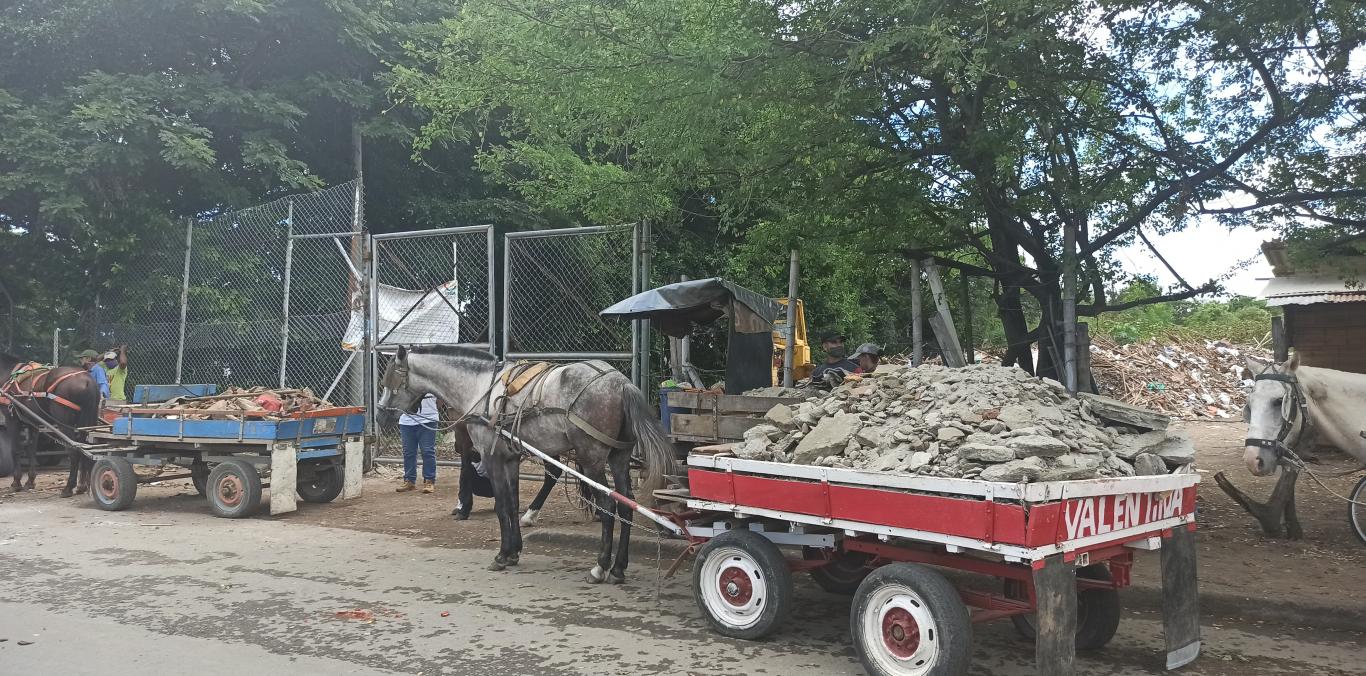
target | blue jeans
x=415, y=437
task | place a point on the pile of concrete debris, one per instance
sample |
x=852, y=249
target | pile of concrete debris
x=255, y=402
x=979, y=422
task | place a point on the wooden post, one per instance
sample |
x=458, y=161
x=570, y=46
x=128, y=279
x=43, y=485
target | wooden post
x=969, y=345
x=943, y=328
x=789, y=356
x=917, y=318
x=1055, y=645
x=1069, y=306
x=1278, y=342
x=1084, y=381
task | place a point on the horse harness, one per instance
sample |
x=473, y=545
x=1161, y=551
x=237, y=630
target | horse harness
x=28, y=374
x=1299, y=406
x=531, y=377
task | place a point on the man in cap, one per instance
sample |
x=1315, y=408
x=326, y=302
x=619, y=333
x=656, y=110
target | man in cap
x=835, y=359
x=115, y=365
x=867, y=356
x=90, y=362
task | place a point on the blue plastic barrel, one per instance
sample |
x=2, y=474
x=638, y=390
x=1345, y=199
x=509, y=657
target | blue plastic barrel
x=665, y=411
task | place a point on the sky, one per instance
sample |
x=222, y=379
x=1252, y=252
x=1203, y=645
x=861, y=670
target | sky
x=1204, y=251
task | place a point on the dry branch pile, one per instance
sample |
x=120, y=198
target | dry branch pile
x=256, y=402
x=1187, y=379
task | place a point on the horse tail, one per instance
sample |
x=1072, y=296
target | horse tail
x=656, y=451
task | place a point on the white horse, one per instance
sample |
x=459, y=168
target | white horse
x=1289, y=409
x=585, y=409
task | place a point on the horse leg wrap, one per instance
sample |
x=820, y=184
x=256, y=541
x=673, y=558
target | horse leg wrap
x=596, y=575
x=529, y=519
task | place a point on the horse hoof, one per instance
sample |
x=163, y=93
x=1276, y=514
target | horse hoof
x=495, y=566
x=82, y=490
x=514, y=559
x=596, y=576
x=66, y=493
x=615, y=578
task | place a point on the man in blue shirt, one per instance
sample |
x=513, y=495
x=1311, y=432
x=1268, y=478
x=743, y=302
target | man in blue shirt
x=90, y=362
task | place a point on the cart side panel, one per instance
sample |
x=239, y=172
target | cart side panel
x=200, y=429
x=1099, y=515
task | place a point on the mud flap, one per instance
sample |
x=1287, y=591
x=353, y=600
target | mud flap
x=284, y=478
x=1055, y=643
x=1180, y=598
x=353, y=469
x=9, y=443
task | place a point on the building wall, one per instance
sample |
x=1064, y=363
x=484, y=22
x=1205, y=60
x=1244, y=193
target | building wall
x=1329, y=335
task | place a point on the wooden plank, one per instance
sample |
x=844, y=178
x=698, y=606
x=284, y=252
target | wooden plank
x=1280, y=346
x=949, y=344
x=1120, y=412
x=727, y=403
x=952, y=358
x=712, y=427
x=1180, y=599
x=1084, y=380
x=1055, y=645
x=917, y=317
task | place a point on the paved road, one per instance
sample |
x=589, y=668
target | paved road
x=169, y=589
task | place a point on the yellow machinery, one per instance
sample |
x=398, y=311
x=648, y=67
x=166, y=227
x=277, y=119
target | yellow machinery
x=801, y=357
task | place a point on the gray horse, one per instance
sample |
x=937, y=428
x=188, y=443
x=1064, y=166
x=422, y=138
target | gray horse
x=1289, y=410
x=588, y=409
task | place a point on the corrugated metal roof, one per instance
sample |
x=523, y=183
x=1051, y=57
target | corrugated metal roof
x=1307, y=289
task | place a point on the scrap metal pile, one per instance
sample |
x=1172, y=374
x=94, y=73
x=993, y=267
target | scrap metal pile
x=979, y=422
x=254, y=402
x=1190, y=379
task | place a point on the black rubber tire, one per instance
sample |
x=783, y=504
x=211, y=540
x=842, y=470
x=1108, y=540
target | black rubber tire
x=234, y=489
x=199, y=476
x=760, y=563
x=933, y=596
x=325, y=485
x=1098, y=611
x=1356, y=510
x=843, y=574
x=113, y=483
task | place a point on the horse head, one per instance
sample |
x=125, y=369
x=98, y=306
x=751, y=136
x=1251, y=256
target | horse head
x=397, y=394
x=1275, y=414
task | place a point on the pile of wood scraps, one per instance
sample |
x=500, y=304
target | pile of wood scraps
x=238, y=402
x=1188, y=379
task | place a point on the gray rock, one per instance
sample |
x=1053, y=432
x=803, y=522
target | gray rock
x=1028, y=469
x=1147, y=464
x=827, y=438
x=1015, y=415
x=1113, y=410
x=768, y=432
x=872, y=436
x=781, y=416
x=1178, y=450
x=950, y=434
x=1037, y=445
x=917, y=460
x=985, y=453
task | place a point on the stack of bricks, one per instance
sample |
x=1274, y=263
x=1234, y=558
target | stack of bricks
x=1329, y=335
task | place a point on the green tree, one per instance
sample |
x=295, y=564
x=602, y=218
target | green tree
x=972, y=131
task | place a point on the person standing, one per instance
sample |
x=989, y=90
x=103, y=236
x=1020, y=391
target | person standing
x=418, y=432
x=115, y=366
x=90, y=362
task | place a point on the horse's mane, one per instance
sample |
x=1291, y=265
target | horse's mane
x=459, y=351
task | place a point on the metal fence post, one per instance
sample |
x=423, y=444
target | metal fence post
x=284, y=310
x=184, y=301
x=507, y=296
x=372, y=330
x=646, y=258
x=635, y=288
x=493, y=295
x=56, y=346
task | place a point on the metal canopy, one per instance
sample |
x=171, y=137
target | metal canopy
x=674, y=307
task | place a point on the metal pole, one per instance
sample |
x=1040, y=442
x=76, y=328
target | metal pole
x=493, y=294
x=646, y=258
x=635, y=289
x=372, y=331
x=57, y=348
x=357, y=245
x=917, y=332
x=184, y=301
x=507, y=295
x=284, y=310
x=789, y=357
x=969, y=345
x=1069, y=305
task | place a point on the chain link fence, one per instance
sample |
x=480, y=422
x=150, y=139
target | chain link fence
x=556, y=282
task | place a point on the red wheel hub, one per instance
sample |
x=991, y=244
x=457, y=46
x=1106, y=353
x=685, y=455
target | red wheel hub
x=108, y=484
x=900, y=633
x=736, y=587
x=230, y=491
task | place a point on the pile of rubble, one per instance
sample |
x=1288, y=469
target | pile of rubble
x=979, y=422
x=256, y=402
x=1200, y=378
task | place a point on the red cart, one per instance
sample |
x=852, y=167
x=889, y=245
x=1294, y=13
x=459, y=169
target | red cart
x=1060, y=550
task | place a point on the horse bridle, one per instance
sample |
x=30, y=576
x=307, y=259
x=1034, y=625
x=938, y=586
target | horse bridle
x=1299, y=407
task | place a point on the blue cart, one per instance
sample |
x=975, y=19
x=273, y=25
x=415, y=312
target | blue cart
x=227, y=454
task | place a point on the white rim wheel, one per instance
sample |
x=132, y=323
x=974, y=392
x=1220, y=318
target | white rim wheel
x=902, y=635
x=733, y=587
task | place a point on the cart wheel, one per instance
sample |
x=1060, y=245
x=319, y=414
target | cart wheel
x=742, y=584
x=234, y=489
x=323, y=482
x=113, y=483
x=1097, y=610
x=1356, y=510
x=199, y=475
x=844, y=572
x=907, y=620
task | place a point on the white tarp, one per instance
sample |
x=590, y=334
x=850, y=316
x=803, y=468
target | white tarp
x=431, y=321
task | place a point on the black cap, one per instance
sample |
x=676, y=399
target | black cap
x=832, y=337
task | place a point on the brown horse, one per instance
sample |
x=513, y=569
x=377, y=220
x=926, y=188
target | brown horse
x=65, y=397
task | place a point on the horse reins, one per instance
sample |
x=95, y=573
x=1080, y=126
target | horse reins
x=1299, y=408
